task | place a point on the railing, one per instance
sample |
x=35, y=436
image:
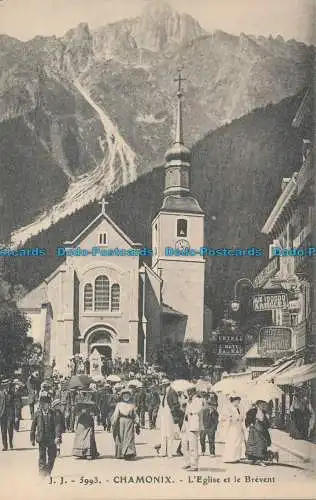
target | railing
x=305, y=174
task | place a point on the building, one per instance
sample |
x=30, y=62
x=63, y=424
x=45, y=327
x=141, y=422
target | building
x=290, y=338
x=117, y=306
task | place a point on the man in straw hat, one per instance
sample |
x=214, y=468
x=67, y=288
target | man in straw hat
x=46, y=433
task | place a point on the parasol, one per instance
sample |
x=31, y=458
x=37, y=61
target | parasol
x=181, y=385
x=80, y=382
x=135, y=383
x=113, y=378
x=232, y=386
x=266, y=391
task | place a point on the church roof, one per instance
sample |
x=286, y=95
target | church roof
x=35, y=298
x=181, y=204
x=94, y=222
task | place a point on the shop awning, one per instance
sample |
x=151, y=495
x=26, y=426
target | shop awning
x=297, y=375
x=270, y=374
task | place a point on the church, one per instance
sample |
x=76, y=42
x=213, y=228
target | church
x=116, y=305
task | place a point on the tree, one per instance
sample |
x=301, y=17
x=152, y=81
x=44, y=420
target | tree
x=181, y=360
x=13, y=337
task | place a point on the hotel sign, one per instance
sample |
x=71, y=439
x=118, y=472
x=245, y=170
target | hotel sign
x=268, y=302
x=274, y=339
x=267, y=272
x=230, y=345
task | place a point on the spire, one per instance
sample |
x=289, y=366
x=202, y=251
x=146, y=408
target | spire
x=177, y=195
x=179, y=123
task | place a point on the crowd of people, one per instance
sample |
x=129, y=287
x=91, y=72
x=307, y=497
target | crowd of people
x=187, y=417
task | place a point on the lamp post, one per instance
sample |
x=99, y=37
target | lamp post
x=235, y=304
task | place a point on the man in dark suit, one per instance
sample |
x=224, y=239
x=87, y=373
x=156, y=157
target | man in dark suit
x=46, y=432
x=152, y=403
x=7, y=414
x=140, y=403
x=209, y=422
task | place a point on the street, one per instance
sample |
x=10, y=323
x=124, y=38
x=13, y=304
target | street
x=148, y=476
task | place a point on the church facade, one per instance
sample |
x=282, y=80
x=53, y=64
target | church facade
x=117, y=306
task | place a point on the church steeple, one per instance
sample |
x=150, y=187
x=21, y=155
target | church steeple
x=178, y=165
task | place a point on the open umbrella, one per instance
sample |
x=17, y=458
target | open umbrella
x=80, y=382
x=266, y=391
x=181, y=385
x=113, y=378
x=135, y=383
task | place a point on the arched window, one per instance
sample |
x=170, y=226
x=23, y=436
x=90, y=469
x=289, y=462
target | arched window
x=182, y=227
x=115, y=297
x=102, y=294
x=88, y=297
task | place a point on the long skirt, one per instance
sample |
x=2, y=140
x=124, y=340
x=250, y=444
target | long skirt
x=258, y=442
x=233, y=443
x=125, y=438
x=84, y=444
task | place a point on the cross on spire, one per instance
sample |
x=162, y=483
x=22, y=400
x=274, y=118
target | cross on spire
x=103, y=204
x=179, y=124
x=179, y=80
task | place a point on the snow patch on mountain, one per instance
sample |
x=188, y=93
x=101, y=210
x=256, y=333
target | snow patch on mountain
x=118, y=167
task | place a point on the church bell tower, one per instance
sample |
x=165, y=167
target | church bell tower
x=178, y=235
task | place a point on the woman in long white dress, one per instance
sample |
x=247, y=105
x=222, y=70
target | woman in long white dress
x=165, y=423
x=235, y=435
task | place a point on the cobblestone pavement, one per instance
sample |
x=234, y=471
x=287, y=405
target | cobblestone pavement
x=149, y=476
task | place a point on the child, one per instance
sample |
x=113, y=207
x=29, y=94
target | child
x=209, y=418
x=46, y=433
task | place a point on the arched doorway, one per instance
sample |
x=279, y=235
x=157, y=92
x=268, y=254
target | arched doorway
x=99, y=349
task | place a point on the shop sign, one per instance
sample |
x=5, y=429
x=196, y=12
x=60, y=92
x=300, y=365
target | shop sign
x=268, y=302
x=274, y=339
x=267, y=272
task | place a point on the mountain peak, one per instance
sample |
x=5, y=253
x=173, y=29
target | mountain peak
x=157, y=7
x=161, y=27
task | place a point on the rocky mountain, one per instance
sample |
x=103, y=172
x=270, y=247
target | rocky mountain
x=86, y=113
x=236, y=176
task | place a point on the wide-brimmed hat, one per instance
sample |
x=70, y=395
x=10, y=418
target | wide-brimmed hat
x=234, y=398
x=165, y=381
x=260, y=401
x=126, y=391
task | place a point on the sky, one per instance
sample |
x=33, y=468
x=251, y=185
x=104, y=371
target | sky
x=25, y=19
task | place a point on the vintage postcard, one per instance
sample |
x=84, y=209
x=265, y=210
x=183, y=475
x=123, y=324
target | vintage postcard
x=157, y=249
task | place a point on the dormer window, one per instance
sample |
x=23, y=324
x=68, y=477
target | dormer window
x=182, y=228
x=103, y=239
